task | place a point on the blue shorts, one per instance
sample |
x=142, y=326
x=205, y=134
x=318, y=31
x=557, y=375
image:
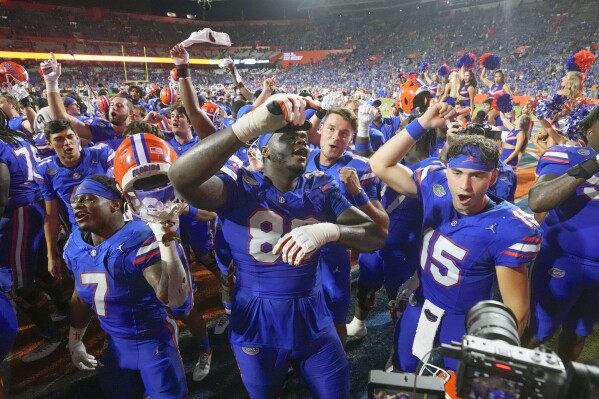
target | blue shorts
x=451, y=329
x=222, y=251
x=22, y=243
x=322, y=367
x=8, y=326
x=336, y=280
x=564, y=291
x=153, y=366
x=391, y=268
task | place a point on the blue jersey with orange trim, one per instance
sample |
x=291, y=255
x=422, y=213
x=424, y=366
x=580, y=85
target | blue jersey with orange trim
x=368, y=180
x=571, y=226
x=459, y=252
x=43, y=148
x=16, y=123
x=101, y=130
x=181, y=148
x=58, y=181
x=20, y=159
x=495, y=89
x=110, y=278
x=276, y=305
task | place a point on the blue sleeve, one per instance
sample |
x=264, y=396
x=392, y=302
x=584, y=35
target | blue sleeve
x=101, y=129
x=521, y=244
x=337, y=202
x=231, y=185
x=148, y=253
x=554, y=161
x=45, y=185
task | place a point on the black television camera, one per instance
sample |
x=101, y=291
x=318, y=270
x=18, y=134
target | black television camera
x=493, y=365
x=481, y=129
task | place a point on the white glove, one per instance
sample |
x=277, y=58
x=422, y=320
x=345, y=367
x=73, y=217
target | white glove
x=154, y=211
x=51, y=70
x=332, y=100
x=179, y=55
x=301, y=242
x=261, y=120
x=79, y=356
x=167, y=227
x=366, y=114
x=225, y=63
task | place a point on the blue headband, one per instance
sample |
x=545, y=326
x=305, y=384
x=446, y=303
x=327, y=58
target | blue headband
x=470, y=158
x=91, y=186
x=68, y=101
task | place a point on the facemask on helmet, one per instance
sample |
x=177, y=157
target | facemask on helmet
x=14, y=79
x=415, y=94
x=216, y=114
x=141, y=165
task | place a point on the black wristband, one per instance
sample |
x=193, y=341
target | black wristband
x=584, y=170
x=182, y=71
x=240, y=85
x=321, y=113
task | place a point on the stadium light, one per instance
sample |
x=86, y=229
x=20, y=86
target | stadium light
x=191, y=16
x=171, y=14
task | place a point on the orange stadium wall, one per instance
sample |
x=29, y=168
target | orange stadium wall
x=306, y=57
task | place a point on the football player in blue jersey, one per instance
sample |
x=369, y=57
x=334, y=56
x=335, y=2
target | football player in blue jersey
x=469, y=238
x=58, y=177
x=200, y=122
x=359, y=186
x=126, y=272
x=279, y=315
x=21, y=244
x=565, y=276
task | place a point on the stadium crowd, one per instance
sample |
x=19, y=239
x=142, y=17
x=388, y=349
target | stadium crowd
x=269, y=177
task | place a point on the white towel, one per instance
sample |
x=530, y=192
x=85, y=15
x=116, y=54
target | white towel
x=207, y=35
x=427, y=330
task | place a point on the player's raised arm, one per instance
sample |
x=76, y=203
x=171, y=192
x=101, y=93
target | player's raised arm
x=385, y=162
x=51, y=70
x=191, y=173
x=202, y=125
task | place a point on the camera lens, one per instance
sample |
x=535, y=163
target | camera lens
x=493, y=320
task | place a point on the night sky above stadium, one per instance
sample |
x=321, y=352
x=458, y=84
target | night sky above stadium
x=221, y=9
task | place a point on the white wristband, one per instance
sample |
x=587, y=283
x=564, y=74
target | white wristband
x=52, y=86
x=363, y=130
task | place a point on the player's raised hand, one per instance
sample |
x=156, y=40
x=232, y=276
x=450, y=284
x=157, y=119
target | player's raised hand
x=278, y=112
x=332, y=100
x=301, y=243
x=51, y=69
x=165, y=230
x=226, y=63
x=349, y=177
x=179, y=55
x=366, y=114
x=436, y=116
